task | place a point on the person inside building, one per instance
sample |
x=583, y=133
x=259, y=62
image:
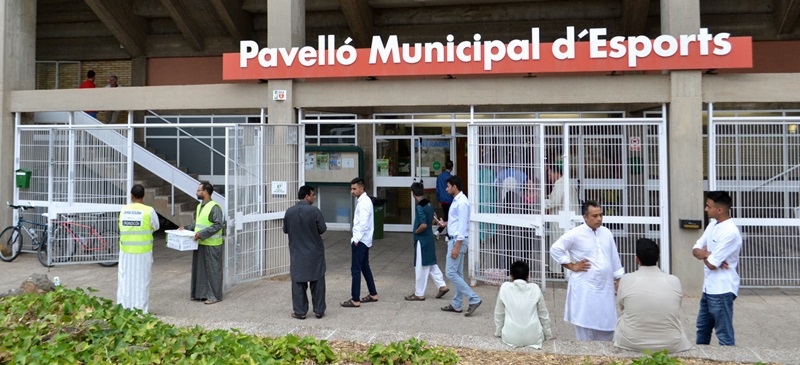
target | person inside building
x=137, y=222
x=649, y=303
x=112, y=116
x=589, y=251
x=441, y=193
x=360, y=243
x=719, y=249
x=305, y=225
x=89, y=84
x=520, y=315
x=424, y=248
x=207, y=259
x=554, y=205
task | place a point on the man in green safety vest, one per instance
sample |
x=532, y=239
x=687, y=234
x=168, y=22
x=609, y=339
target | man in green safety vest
x=207, y=260
x=136, y=225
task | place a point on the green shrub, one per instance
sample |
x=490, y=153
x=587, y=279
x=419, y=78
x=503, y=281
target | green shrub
x=72, y=327
x=657, y=358
x=412, y=351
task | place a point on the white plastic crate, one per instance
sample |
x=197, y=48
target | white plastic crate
x=181, y=240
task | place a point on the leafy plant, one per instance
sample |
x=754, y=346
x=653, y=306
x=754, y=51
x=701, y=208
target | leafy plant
x=413, y=351
x=72, y=327
x=657, y=358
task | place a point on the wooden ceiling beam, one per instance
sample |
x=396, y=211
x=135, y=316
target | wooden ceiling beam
x=360, y=20
x=634, y=16
x=181, y=16
x=129, y=29
x=786, y=14
x=238, y=22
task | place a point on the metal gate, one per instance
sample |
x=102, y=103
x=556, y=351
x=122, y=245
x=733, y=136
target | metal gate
x=618, y=162
x=755, y=155
x=78, y=184
x=263, y=169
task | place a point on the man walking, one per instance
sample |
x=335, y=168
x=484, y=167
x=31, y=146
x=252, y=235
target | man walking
x=304, y=224
x=441, y=193
x=207, y=259
x=457, y=246
x=360, y=243
x=590, y=252
x=137, y=222
x=719, y=249
x=424, y=248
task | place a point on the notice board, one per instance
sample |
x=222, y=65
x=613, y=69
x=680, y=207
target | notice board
x=326, y=165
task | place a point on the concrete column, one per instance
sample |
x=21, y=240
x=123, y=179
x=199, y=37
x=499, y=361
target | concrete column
x=285, y=28
x=685, y=149
x=18, y=66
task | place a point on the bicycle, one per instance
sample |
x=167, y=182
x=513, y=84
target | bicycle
x=11, y=237
x=76, y=237
x=71, y=234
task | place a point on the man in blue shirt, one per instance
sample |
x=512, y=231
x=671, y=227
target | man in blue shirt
x=441, y=193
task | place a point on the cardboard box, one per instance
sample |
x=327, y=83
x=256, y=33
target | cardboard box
x=181, y=240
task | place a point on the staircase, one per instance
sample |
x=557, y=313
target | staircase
x=161, y=179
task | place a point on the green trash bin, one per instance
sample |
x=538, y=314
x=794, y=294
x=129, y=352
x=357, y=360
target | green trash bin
x=23, y=178
x=379, y=208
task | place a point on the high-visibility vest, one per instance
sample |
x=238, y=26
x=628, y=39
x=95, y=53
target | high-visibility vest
x=135, y=232
x=202, y=222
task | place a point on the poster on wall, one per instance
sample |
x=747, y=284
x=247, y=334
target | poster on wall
x=310, y=161
x=323, y=160
x=336, y=161
x=383, y=167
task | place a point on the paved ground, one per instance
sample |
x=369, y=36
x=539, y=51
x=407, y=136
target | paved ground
x=766, y=320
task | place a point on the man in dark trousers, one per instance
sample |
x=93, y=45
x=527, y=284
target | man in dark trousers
x=304, y=224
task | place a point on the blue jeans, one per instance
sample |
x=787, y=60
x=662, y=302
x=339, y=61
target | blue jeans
x=360, y=265
x=454, y=270
x=716, y=312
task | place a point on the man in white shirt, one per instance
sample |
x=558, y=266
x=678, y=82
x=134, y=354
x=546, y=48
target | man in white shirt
x=719, y=249
x=590, y=252
x=457, y=246
x=649, y=302
x=520, y=315
x=554, y=205
x=360, y=243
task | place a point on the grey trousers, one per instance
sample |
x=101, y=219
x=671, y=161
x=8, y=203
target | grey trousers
x=300, y=296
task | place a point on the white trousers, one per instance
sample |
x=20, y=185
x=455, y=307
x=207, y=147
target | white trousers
x=422, y=273
x=588, y=334
x=133, y=280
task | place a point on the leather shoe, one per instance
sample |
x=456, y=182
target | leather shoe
x=472, y=308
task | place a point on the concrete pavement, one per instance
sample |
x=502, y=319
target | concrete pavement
x=766, y=320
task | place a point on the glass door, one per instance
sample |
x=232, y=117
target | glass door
x=394, y=167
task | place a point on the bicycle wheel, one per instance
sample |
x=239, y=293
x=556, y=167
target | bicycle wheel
x=10, y=243
x=41, y=254
x=108, y=251
x=63, y=246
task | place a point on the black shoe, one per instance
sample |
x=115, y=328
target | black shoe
x=472, y=308
x=319, y=315
x=298, y=316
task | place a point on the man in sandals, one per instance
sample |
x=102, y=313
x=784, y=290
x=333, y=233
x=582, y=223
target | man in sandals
x=424, y=247
x=458, y=229
x=363, y=227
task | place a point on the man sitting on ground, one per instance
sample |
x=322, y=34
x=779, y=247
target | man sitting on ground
x=650, y=304
x=520, y=316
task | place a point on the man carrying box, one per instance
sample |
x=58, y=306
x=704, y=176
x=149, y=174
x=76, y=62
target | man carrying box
x=136, y=225
x=207, y=260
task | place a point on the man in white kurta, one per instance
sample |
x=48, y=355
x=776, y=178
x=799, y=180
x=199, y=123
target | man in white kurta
x=590, y=252
x=554, y=204
x=520, y=315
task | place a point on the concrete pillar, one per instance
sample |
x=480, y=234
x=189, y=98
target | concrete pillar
x=18, y=66
x=286, y=27
x=685, y=149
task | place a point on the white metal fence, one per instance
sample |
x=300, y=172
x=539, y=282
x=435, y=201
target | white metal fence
x=755, y=155
x=262, y=180
x=618, y=162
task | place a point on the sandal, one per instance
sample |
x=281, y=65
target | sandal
x=442, y=292
x=212, y=301
x=449, y=308
x=368, y=299
x=350, y=304
x=414, y=297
